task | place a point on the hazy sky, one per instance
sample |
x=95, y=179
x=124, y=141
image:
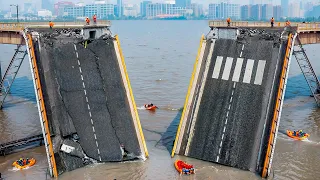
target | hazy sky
x=4, y=4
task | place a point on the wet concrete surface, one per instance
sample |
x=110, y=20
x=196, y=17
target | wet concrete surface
x=85, y=98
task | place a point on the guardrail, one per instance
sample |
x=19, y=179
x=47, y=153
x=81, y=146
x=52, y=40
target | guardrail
x=22, y=25
x=301, y=27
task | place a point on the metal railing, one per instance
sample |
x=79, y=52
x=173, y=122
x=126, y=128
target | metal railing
x=301, y=27
x=22, y=25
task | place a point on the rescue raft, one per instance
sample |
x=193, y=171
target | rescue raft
x=184, y=168
x=150, y=107
x=31, y=163
x=291, y=134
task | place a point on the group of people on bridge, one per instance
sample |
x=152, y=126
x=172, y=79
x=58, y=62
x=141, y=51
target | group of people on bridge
x=94, y=17
x=271, y=22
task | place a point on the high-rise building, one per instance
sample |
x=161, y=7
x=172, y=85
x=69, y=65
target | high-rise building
x=120, y=8
x=284, y=7
x=294, y=10
x=197, y=9
x=256, y=12
x=266, y=12
x=47, y=4
x=102, y=10
x=159, y=10
x=183, y=3
x=213, y=11
x=277, y=12
x=74, y=11
x=224, y=10
x=143, y=8
x=246, y=12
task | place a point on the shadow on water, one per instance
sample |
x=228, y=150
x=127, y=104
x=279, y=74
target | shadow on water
x=167, y=138
x=297, y=86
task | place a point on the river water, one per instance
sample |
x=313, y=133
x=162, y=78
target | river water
x=159, y=57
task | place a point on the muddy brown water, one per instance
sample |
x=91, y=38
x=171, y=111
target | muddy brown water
x=160, y=57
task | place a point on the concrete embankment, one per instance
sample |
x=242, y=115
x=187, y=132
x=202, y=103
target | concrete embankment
x=231, y=99
x=88, y=99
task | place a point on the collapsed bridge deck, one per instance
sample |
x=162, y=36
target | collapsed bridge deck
x=230, y=105
x=87, y=98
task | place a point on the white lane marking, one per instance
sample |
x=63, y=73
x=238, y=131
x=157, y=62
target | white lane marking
x=226, y=122
x=85, y=93
x=227, y=68
x=217, y=67
x=242, y=47
x=237, y=70
x=241, y=54
x=248, y=71
x=260, y=71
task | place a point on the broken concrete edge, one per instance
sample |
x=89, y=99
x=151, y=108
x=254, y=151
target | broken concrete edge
x=129, y=92
x=182, y=119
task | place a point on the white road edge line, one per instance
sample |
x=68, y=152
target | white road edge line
x=226, y=121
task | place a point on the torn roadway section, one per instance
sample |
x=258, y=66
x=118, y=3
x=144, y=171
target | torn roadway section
x=86, y=99
x=228, y=120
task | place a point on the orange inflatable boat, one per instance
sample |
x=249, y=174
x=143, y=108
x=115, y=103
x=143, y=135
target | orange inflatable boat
x=32, y=161
x=184, y=168
x=291, y=134
x=150, y=107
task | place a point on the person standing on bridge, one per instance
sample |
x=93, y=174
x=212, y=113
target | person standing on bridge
x=94, y=19
x=288, y=23
x=51, y=24
x=87, y=21
x=228, y=21
x=272, y=22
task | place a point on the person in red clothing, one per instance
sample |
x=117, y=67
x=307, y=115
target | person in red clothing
x=94, y=19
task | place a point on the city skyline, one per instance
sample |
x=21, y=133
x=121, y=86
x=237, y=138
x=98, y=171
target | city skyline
x=5, y=5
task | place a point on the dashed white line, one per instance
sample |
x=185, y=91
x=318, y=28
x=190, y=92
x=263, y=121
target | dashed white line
x=226, y=122
x=87, y=100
